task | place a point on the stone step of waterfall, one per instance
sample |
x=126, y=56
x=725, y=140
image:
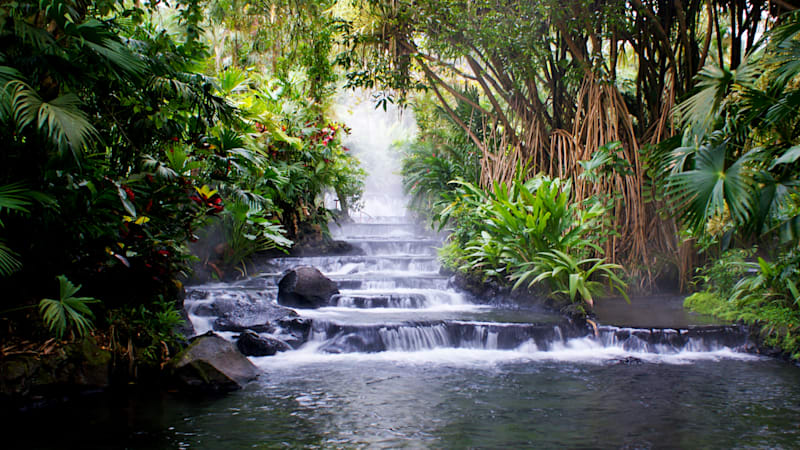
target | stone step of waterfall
x=395, y=220
x=389, y=300
x=418, y=336
x=383, y=281
x=376, y=229
x=397, y=298
x=355, y=263
x=465, y=312
x=380, y=247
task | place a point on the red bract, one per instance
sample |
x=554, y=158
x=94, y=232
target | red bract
x=129, y=192
x=164, y=252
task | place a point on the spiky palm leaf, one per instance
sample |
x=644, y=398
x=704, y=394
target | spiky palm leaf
x=14, y=197
x=96, y=36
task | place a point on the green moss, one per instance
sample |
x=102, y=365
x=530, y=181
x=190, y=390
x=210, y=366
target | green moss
x=705, y=303
x=778, y=322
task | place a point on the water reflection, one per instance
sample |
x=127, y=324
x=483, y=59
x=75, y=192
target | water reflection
x=707, y=404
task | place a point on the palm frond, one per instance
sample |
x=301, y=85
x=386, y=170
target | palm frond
x=700, y=109
x=9, y=74
x=712, y=187
x=9, y=262
x=67, y=311
x=15, y=197
x=59, y=120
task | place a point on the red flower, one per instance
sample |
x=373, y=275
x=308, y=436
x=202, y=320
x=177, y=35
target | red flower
x=163, y=253
x=174, y=138
x=129, y=192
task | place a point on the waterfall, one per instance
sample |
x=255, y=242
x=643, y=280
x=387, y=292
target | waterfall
x=394, y=302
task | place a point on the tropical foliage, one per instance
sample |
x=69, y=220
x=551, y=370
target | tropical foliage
x=735, y=178
x=137, y=147
x=532, y=232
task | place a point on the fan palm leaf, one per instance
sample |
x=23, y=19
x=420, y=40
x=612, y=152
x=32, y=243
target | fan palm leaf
x=67, y=311
x=713, y=186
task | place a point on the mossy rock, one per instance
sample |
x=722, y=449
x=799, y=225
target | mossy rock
x=210, y=363
x=75, y=366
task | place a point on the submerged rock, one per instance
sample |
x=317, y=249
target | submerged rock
x=628, y=361
x=306, y=287
x=211, y=363
x=251, y=343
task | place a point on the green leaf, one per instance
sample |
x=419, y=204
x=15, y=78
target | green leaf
x=67, y=311
x=790, y=156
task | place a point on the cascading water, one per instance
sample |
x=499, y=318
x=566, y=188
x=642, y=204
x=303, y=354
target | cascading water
x=394, y=303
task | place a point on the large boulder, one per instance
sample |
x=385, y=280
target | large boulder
x=306, y=287
x=211, y=363
x=251, y=343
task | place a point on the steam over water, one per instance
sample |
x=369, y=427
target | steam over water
x=373, y=133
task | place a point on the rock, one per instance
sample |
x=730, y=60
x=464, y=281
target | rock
x=628, y=361
x=324, y=248
x=196, y=295
x=295, y=330
x=251, y=343
x=261, y=317
x=306, y=287
x=210, y=363
x=185, y=329
x=206, y=310
x=77, y=366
